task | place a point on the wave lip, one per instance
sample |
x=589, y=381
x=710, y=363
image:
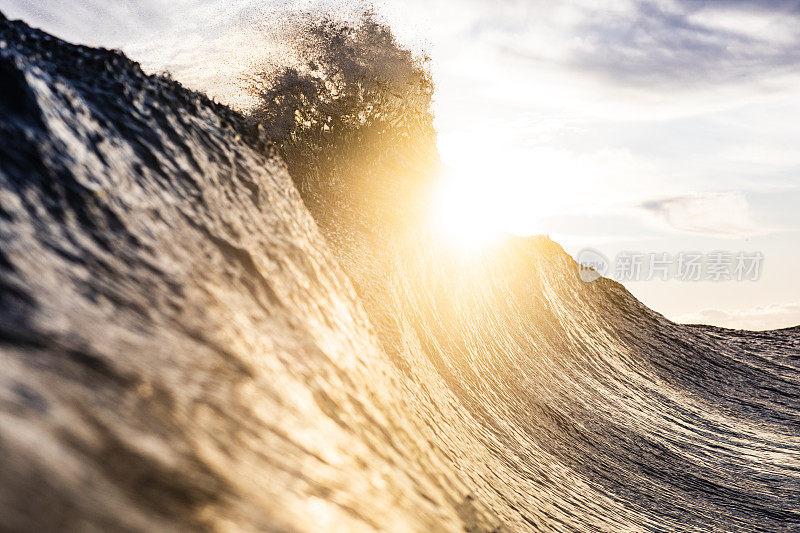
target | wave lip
x=189, y=341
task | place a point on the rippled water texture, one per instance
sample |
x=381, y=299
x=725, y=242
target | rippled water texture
x=191, y=337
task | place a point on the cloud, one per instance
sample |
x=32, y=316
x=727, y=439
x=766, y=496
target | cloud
x=725, y=214
x=584, y=53
x=645, y=47
x=689, y=43
x=97, y=23
x=756, y=318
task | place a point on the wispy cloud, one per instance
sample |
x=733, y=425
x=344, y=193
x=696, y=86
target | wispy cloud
x=755, y=318
x=719, y=214
x=690, y=43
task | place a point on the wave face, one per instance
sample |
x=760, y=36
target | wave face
x=220, y=322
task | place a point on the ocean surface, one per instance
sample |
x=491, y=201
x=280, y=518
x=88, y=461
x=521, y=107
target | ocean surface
x=223, y=321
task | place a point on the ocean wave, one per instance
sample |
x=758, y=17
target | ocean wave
x=219, y=321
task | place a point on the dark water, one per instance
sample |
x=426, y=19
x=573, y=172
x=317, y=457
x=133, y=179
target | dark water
x=218, y=322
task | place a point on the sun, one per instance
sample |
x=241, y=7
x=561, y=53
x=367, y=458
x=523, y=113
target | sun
x=465, y=213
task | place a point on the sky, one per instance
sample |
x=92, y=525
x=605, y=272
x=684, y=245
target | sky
x=628, y=127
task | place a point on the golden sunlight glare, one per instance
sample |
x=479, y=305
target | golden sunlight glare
x=464, y=215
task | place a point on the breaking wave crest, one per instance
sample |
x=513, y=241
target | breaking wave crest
x=352, y=119
x=221, y=321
